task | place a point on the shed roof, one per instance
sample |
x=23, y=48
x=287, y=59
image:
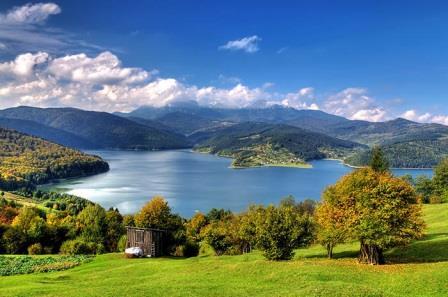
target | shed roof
x=146, y=229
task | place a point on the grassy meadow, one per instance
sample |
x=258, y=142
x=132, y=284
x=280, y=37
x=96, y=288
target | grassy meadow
x=418, y=270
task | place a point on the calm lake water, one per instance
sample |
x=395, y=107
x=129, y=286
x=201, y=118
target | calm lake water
x=198, y=182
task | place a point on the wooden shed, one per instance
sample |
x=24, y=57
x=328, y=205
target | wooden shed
x=149, y=240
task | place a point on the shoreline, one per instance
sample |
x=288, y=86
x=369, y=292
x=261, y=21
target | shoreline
x=393, y=168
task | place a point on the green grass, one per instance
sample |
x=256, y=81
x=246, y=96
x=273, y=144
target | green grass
x=418, y=270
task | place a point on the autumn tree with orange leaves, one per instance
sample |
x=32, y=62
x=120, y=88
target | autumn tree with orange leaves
x=374, y=207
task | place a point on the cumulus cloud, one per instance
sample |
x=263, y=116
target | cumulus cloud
x=102, y=69
x=355, y=104
x=29, y=14
x=247, y=44
x=102, y=83
x=300, y=99
x=427, y=117
x=24, y=64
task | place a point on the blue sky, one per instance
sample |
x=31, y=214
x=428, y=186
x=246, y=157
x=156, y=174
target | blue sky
x=372, y=60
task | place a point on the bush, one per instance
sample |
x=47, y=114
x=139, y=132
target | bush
x=14, y=241
x=435, y=199
x=281, y=230
x=216, y=236
x=122, y=243
x=187, y=250
x=80, y=247
x=35, y=249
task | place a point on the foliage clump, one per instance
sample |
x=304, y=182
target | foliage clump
x=373, y=207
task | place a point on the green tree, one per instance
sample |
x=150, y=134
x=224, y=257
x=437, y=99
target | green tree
x=279, y=230
x=115, y=229
x=91, y=223
x=424, y=186
x=216, y=214
x=30, y=224
x=440, y=179
x=378, y=161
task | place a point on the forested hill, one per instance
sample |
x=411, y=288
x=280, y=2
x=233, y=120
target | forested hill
x=257, y=144
x=406, y=143
x=26, y=161
x=89, y=128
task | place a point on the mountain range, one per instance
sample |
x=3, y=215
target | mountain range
x=302, y=134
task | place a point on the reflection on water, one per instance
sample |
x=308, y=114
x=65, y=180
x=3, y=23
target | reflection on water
x=192, y=181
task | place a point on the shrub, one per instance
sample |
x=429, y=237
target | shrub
x=216, y=235
x=14, y=241
x=122, y=243
x=187, y=250
x=281, y=230
x=80, y=247
x=35, y=249
x=435, y=199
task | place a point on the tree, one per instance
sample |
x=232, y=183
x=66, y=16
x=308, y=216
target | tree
x=279, y=230
x=115, y=229
x=408, y=178
x=216, y=214
x=379, y=210
x=195, y=225
x=331, y=224
x=154, y=214
x=424, y=186
x=91, y=223
x=157, y=214
x=30, y=223
x=128, y=221
x=378, y=161
x=217, y=236
x=440, y=179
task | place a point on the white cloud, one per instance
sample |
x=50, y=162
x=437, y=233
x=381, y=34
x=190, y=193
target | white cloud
x=24, y=64
x=427, y=117
x=246, y=44
x=23, y=29
x=299, y=100
x=102, y=69
x=355, y=104
x=29, y=14
x=101, y=82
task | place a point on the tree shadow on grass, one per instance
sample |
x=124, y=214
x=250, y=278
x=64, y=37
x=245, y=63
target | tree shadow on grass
x=336, y=255
x=432, y=248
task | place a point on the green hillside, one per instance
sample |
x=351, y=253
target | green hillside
x=418, y=270
x=27, y=161
x=260, y=144
x=408, y=154
x=97, y=129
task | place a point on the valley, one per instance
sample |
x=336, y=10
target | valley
x=253, y=137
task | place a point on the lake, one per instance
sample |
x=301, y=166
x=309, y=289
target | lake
x=198, y=182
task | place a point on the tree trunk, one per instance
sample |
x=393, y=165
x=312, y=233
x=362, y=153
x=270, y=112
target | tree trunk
x=371, y=254
x=330, y=251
